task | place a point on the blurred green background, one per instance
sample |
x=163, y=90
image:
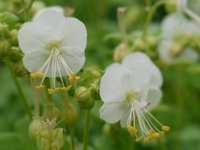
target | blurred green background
x=180, y=106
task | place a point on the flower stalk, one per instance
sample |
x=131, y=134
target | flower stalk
x=20, y=91
x=86, y=129
x=150, y=15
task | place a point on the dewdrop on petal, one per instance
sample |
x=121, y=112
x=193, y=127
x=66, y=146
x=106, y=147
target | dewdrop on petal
x=53, y=47
x=129, y=91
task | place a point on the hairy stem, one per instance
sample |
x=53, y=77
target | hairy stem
x=20, y=91
x=72, y=139
x=86, y=129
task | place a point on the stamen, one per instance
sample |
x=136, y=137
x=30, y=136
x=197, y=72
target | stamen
x=39, y=87
x=53, y=65
x=36, y=75
x=73, y=78
x=59, y=89
x=143, y=125
x=165, y=128
x=132, y=131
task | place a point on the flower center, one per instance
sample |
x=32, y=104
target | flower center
x=55, y=67
x=131, y=97
x=54, y=45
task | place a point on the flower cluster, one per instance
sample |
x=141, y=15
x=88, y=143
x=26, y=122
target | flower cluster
x=129, y=91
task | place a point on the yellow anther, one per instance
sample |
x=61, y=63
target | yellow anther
x=165, y=128
x=147, y=140
x=73, y=78
x=37, y=75
x=51, y=91
x=39, y=87
x=59, y=90
x=154, y=135
x=132, y=131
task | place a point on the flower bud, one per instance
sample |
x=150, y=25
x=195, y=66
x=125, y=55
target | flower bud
x=51, y=138
x=139, y=44
x=37, y=6
x=4, y=30
x=9, y=18
x=58, y=139
x=69, y=11
x=151, y=40
x=83, y=96
x=4, y=47
x=176, y=49
x=13, y=37
x=35, y=127
x=120, y=52
x=15, y=54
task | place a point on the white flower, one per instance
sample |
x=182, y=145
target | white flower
x=129, y=91
x=183, y=7
x=181, y=4
x=53, y=45
x=177, y=25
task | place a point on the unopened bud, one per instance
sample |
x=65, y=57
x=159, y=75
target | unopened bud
x=139, y=44
x=69, y=11
x=35, y=127
x=9, y=18
x=120, y=52
x=151, y=40
x=176, y=49
x=13, y=37
x=83, y=96
x=4, y=47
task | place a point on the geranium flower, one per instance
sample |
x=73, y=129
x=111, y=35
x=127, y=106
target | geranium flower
x=129, y=91
x=53, y=45
x=175, y=26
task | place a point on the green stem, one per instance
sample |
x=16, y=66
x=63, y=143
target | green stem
x=179, y=104
x=85, y=130
x=20, y=91
x=151, y=14
x=72, y=139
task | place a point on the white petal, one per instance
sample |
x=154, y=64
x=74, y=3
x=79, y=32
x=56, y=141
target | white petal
x=177, y=24
x=74, y=58
x=113, y=85
x=124, y=118
x=143, y=70
x=74, y=33
x=55, y=9
x=33, y=61
x=112, y=112
x=33, y=37
x=164, y=51
x=51, y=17
x=189, y=55
x=153, y=97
